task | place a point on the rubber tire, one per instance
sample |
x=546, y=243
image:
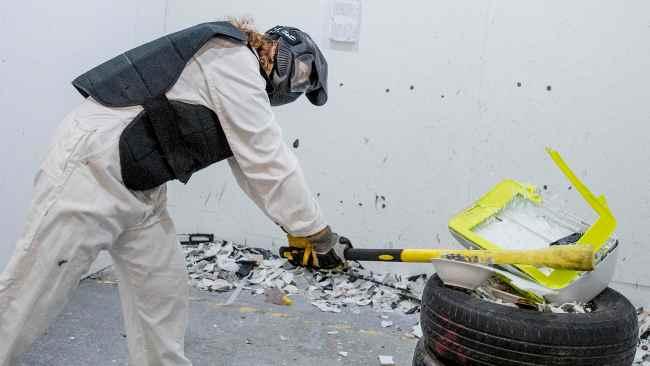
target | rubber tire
x=423, y=357
x=460, y=329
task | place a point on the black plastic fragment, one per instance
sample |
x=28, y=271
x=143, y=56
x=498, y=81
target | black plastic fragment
x=245, y=268
x=197, y=238
x=568, y=240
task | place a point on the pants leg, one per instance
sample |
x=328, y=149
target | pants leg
x=80, y=207
x=153, y=288
x=63, y=237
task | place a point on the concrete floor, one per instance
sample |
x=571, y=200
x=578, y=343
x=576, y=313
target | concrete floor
x=248, y=333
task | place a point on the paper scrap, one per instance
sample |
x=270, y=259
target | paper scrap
x=386, y=360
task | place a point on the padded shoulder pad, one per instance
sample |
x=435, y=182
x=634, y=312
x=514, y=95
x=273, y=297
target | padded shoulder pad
x=150, y=70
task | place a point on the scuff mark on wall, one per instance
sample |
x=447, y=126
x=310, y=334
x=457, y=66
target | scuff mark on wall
x=221, y=192
x=380, y=201
x=207, y=199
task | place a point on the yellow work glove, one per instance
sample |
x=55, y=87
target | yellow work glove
x=324, y=250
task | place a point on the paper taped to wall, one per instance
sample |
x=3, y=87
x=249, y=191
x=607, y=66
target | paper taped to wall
x=345, y=21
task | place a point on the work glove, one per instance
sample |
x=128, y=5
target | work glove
x=324, y=250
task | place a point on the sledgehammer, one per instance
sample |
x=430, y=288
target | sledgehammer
x=574, y=257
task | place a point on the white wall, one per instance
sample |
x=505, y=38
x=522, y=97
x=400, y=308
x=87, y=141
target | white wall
x=429, y=156
x=44, y=46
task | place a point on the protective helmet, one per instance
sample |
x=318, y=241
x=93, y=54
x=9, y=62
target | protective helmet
x=299, y=67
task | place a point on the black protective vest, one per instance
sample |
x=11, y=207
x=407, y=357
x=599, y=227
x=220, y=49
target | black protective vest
x=169, y=139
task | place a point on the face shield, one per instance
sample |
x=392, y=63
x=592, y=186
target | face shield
x=299, y=68
x=301, y=75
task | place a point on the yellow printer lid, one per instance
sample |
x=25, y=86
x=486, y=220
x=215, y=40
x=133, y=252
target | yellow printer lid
x=505, y=192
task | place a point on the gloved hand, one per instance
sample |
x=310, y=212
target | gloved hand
x=324, y=250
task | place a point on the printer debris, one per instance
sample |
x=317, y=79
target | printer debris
x=223, y=266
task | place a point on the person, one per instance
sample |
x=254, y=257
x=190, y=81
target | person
x=157, y=113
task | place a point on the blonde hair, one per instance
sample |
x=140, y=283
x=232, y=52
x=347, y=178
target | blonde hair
x=259, y=41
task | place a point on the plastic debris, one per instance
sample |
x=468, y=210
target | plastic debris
x=644, y=323
x=228, y=264
x=343, y=354
x=498, y=292
x=292, y=290
x=386, y=360
x=325, y=307
x=642, y=357
x=225, y=266
x=417, y=331
x=287, y=277
x=215, y=285
x=277, y=297
x=333, y=332
x=386, y=323
x=571, y=307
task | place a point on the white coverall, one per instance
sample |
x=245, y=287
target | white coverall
x=81, y=207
